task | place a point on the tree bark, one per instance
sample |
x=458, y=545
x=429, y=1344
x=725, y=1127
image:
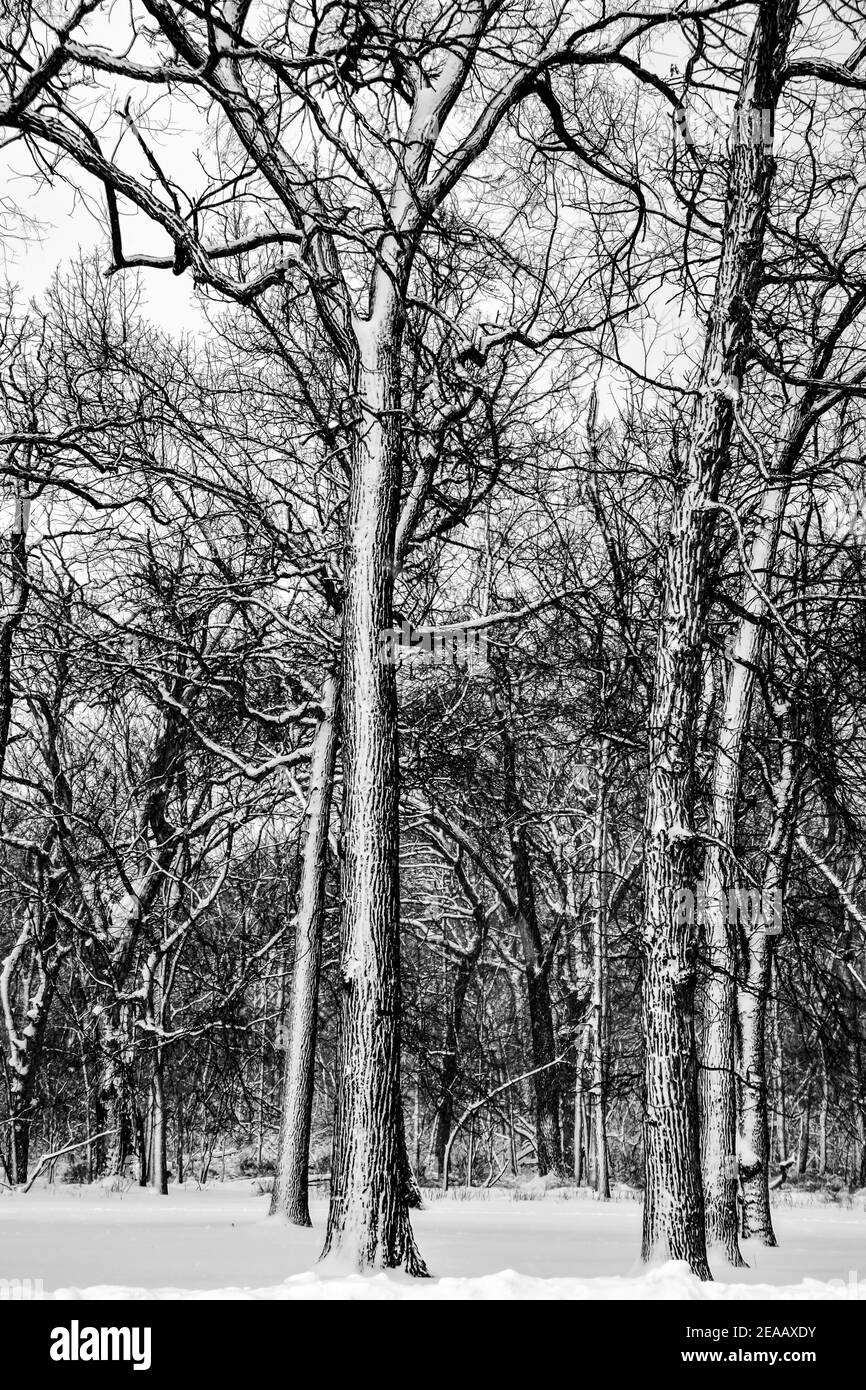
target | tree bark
x=114, y=1112
x=754, y=1148
x=466, y=963
x=674, y=1217
x=719, y=1113
x=179, y=1139
x=159, y=1165
x=752, y=1002
x=579, y=1120
x=23, y=1070
x=600, y=986
x=18, y=592
x=780, y=1104
x=291, y=1187
x=537, y=964
x=368, y=1221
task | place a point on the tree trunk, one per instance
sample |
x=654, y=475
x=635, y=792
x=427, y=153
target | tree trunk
x=368, y=1221
x=600, y=987
x=780, y=1106
x=823, y=1115
x=537, y=973
x=754, y=1148
x=114, y=1109
x=159, y=1162
x=805, y=1132
x=179, y=1139
x=19, y=1148
x=753, y=998
x=719, y=1114
x=467, y=960
x=291, y=1186
x=580, y=1126
x=674, y=1219
x=26, y=1036
x=17, y=594
x=450, y=1062
x=23, y=1070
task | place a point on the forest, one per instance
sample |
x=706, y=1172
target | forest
x=433, y=661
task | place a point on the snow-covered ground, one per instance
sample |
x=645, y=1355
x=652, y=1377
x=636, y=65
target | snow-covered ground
x=220, y=1243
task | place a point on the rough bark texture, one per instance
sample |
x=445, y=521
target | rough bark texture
x=719, y=1118
x=368, y=1222
x=26, y=1037
x=674, y=1220
x=291, y=1188
x=115, y=1109
x=719, y=1113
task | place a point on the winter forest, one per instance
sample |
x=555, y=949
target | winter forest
x=433, y=639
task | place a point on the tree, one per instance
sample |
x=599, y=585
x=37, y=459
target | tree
x=383, y=124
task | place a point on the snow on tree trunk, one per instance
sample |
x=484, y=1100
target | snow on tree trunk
x=600, y=983
x=368, y=1222
x=24, y=973
x=674, y=1218
x=115, y=1104
x=754, y=1118
x=719, y=1111
x=752, y=1002
x=159, y=1165
x=290, y=1195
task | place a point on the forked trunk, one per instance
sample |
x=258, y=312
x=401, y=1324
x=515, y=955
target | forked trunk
x=719, y=1112
x=674, y=1218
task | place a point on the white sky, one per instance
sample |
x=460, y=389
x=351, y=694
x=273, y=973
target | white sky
x=62, y=225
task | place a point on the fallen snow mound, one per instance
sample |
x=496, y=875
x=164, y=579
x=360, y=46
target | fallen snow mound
x=671, y=1281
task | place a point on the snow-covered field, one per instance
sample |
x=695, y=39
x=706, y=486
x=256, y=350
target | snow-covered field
x=220, y=1243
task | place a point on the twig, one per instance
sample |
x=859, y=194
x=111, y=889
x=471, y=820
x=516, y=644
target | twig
x=58, y=1153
